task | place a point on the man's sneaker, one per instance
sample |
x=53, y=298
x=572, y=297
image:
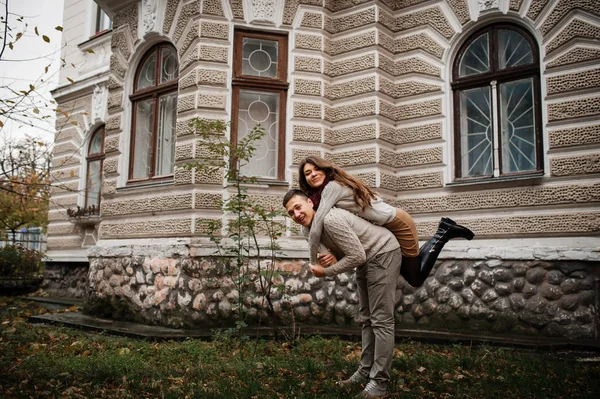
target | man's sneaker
x=356, y=378
x=373, y=390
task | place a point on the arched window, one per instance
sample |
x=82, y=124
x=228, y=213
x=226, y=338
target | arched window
x=154, y=101
x=93, y=179
x=496, y=88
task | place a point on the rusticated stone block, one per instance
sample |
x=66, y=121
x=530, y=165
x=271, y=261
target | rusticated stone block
x=579, y=54
x=170, y=11
x=307, y=110
x=410, y=111
x=109, y=187
x=461, y=10
x=110, y=165
x=408, y=65
x=187, y=81
x=575, y=29
x=213, y=53
x=211, y=101
x=298, y=154
x=237, y=8
x=350, y=88
x=411, y=158
x=563, y=8
x=149, y=228
x=350, y=158
x=350, y=65
x=405, y=89
x=307, y=64
x=535, y=8
x=111, y=144
x=214, y=30
x=574, y=109
x=127, y=17
x=184, y=151
x=573, y=81
x=115, y=100
x=350, y=111
x=569, y=166
x=189, y=59
x=186, y=14
x=307, y=87
x=411, y=182
x=312, y=20
x=307, y=133
x=146, y=205
x=212, y=7
x=584, y=135
x=113, y=123
x=344, y=45
x=309, y=42
x=208, y=177
x=212, y=77
x=186, y=103
x=430, y=17
x=207, y=200
x=410, y=134
x=420, y=41
x=350, y=134
x=350, y=21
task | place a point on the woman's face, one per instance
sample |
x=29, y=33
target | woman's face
x=313, y=175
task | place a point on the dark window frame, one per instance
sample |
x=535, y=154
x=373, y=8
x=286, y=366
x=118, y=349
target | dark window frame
x=278, y=84
x=500, y=76
x=92, y=157
x=154, y=93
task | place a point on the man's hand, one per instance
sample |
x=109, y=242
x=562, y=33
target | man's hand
x=317, y=271
x=326, y=259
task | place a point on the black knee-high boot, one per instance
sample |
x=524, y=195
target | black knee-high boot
x=416, y=270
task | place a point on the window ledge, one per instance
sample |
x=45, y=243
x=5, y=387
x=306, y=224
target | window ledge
x=136, y=185
x=88, y=220
x=493, y=180
x=97, y=40
x=261, y=182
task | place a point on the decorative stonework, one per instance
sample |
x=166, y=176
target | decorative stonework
x=486, y=5
x=149, y=15
x=350, y=88
x=575, y=29
x=350, y=134
x=356, y=64
x=207, y=200
x=430, y=17
x=150, y=228
x=577, y=136
x=298, y=154
x=351, y=21
x=411, y=182
x=515, y=5
x=212, y=77
x=563, y=7
x=309, y=42
x=213, y=53
x=579, y=54
x=264, y=11
x=212, y=7
x=237, y=8
x=146, y=205
x=364, y=156
x=307, y=64
x=307, y=110
x=410, y=134
x=127, y=17
x=574, y=109
x=312, y=20
x=405, y=89
x=461, y=10
x=214, y=30
x=307, y=133
x=573, y=81
x=340, y=46
x=170, y=12
x=406, y=66
x=409, y=111
x=307, y=87
x=502, y=198
x=410, y=158
x=573, y=166
x=111, y=144
x=99, y=101
x=350, y=111
x=535, y=8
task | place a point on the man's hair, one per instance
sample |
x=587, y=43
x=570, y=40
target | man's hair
x=292, y=193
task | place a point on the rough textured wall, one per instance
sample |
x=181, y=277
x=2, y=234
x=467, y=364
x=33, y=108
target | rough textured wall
x=555, y=299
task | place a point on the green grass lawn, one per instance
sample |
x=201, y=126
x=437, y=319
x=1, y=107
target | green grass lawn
x=38, y=360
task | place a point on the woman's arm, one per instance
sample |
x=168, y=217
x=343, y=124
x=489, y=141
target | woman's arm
x=331, y=194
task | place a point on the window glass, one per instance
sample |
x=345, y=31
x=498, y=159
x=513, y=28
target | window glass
x=165, y=139
x=476, y=132
x=260, y=108
x=476, y=59
x=259, y=57
x=144, y=119
x=146, y=77
x=514, y=50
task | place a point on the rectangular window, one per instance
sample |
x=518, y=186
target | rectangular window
x=102, y=21
x=259, y=98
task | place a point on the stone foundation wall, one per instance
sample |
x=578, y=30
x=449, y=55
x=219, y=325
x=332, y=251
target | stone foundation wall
x=556, y=299
x=68, y=279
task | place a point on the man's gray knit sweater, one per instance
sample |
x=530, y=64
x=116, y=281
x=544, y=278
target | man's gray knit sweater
x=353, y=240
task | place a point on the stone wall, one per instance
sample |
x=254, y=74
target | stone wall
x=554, y=299
x=66, y=279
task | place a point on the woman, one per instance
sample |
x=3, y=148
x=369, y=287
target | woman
x=328, y=185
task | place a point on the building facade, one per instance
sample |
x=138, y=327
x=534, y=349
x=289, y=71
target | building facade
x=484, y=111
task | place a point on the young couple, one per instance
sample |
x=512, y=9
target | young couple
x=349, y=227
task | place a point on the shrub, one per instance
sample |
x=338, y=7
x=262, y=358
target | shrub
x=16, y=261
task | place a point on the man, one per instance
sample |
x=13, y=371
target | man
x=375, y=254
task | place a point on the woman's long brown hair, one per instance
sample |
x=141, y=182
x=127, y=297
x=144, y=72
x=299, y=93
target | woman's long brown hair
x=362, y=193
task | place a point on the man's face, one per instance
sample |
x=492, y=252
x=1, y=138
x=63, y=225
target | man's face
x=300, y=210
